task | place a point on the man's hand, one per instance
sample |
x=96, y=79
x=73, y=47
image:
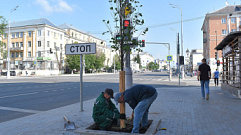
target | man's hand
x=131, y=117
x=198, y=78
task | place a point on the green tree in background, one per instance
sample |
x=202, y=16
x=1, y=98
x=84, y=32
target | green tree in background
x=90, y=62
x=73, y=61
x=117, y=63
x=93, y=61
x=137, y=59
x=3, y=24
x=153, y=66
x=99, y=62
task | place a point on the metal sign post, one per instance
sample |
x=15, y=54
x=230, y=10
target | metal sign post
x=81, y=83
x=80, y=49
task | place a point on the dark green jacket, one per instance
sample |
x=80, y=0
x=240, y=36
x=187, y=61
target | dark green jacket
x=104, y=111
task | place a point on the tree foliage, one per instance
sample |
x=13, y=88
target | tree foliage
x=117, y=63
x=3, y=25
x=93, y=61
x=118, y=9
x=153, y=65
x=137, y=59
x=73, y=61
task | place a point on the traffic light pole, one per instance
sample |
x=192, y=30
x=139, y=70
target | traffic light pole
x=168, y=46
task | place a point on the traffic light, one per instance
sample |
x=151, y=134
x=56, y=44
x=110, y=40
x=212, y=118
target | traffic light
x=216, y=54
x=218, y=62
x=181, y=60
x=142, y=43
x=118, y=38
x=127, y=29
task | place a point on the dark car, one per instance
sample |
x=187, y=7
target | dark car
x=12, y=73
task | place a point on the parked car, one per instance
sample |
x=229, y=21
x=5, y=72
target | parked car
x=12, y=73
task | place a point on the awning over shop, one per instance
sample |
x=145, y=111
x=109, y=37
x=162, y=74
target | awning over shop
x=229, y=38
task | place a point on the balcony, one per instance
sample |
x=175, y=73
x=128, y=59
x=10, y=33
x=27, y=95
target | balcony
x=16, y=48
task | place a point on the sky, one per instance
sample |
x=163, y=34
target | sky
x=162, y=20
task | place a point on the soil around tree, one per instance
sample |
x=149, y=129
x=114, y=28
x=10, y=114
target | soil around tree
x=128, y=129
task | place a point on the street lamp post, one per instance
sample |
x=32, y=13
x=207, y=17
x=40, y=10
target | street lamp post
x=176, y=6
x=8, y=73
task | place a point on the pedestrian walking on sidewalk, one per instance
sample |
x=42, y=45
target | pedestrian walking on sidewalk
x=204, y=74
x=216, y=75
x=105, y=113
x=139, y=98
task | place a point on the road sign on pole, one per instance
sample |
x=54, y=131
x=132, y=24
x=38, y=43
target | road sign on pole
x=169, y=58
x=82, y=48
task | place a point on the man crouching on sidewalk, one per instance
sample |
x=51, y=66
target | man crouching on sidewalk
x=105, y=114
x=139, y=98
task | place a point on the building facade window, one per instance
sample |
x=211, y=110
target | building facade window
x=29, y=33
x=13, y=44
x=29, y=54
x=17, y=44
x=224, y=32
x=29, y=43
x=39, y=32
x=39, y=43
x=21, y=34
x=60, y=36
x=223, y=20
x=17, y=55
x=54, y=34
x=17, y=35
x=233, y=20
x=13, y=35
x=12, y=54
x=47, y=43
x=21, y=54
x=21, y=44
x=233, y=30
x=39, y=54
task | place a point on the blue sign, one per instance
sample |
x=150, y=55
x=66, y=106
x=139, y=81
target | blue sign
x=169, y=58
x=177, y=64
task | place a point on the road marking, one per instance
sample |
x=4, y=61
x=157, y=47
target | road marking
x=20, y=95
x=19, y=110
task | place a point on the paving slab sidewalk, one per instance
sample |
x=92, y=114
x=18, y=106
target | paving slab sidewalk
x=181, y=110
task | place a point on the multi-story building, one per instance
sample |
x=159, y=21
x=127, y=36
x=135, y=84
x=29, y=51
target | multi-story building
x=215, y=27
x=145, y=57
x=33, y=46
x=196, y=57
x=38, y=46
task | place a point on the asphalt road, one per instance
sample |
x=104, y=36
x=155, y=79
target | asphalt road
x=22, y=96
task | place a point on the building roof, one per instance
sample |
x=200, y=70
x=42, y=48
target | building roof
x=67, y=26
x=227, y=9
x=230, y=37
x=224, y=11
x=32, y=23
